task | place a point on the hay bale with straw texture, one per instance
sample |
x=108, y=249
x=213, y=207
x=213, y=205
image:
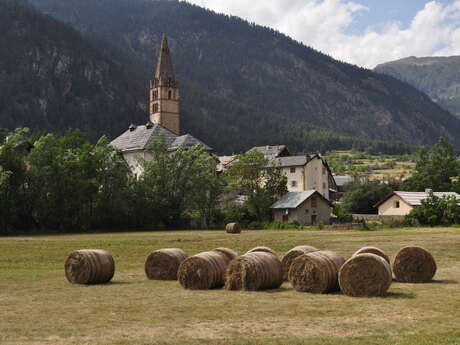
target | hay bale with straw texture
x=233, y=228
x=365, y=275
x=373, y=250
x=293, y=254
x=89, y=266
x=205, y=270
x=316, y=272
x=231, y=254
x=414, y=265
x=262, y=249
x=254, y=271
x=163, y=264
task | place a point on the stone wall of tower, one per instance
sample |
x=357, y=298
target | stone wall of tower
x=165, y=107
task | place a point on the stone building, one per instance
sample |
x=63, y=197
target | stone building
x=164, y=117
x=306, y=207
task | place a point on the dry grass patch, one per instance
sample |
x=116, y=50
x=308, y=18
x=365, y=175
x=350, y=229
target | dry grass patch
x=39, y=306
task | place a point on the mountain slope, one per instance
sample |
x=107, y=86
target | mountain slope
x=258, y=68
x=52, y=79
x=438, y=77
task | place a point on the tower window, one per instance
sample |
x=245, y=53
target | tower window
x=169, y=94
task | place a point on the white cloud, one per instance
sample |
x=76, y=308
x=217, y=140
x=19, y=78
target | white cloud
x=323, y=24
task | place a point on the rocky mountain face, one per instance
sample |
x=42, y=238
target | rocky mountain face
x=438, y=77
x=53, y=79
x=242, y=84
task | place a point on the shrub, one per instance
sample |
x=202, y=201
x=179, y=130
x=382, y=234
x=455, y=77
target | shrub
x=436, y=211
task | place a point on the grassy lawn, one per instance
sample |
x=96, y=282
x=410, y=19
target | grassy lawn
x=38, y=306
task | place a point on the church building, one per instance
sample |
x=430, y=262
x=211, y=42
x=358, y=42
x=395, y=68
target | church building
x=164, y=119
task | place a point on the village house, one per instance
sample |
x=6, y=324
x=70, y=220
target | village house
x=306, y=207
x=401, y=203
x=164, y=120
x=303, y=172
x=306, y=172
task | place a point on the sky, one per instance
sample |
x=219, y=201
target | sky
x=362, y=32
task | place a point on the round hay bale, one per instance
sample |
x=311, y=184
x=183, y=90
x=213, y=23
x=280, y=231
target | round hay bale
x=205, y=270
x=163, y=264
x=89, y=266
x=373, y=250
x=261, y=249
x=414, y=265
x=231, y=254
x=254, y=271
x=233, y=228
x=316, y=272
x=292, y=254
x=365, y=275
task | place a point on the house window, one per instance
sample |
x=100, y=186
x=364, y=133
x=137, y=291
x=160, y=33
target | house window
x=155, y=108
x=324, y=185
x=396, y=204
x=169, y=94
x=292, y=170
x=293, y=183
x=324, y=171
x=314, y=202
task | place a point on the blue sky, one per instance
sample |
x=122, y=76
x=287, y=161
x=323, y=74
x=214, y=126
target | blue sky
x=362, y=32
x=380, y=12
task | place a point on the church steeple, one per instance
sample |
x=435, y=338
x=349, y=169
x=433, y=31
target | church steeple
x=164, y=70
x=164, y=92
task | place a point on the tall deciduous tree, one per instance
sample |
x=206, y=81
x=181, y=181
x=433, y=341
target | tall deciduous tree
x=250, y=175
x=437, y=168
x=180, y=182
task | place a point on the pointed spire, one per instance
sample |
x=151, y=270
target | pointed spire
x=164, y=68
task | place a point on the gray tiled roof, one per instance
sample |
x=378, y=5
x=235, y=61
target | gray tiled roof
x=342, y=180
x=415, y=198
x=293, y=199
x=270, y=151
x=187, y=141
x=289, y=161
x=137, y=138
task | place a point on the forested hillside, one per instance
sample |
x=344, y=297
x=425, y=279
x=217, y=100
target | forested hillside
x=437, y=76
x=52, y=79
x=242, y=84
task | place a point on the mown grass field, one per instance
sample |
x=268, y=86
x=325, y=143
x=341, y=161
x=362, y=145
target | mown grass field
x=38, y=306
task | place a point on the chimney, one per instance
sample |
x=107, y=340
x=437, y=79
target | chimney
x=429, y=191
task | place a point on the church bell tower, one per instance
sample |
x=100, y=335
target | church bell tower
x=164, y=92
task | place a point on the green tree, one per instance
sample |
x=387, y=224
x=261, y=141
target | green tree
x=250, y=176
x=110, y=204
x=180, y=183
x=15, y=199
x=436, y=168
x=360, y=198
x=63, y=181
x=436, y=211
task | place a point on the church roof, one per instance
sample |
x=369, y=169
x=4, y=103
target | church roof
x=137, y=138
